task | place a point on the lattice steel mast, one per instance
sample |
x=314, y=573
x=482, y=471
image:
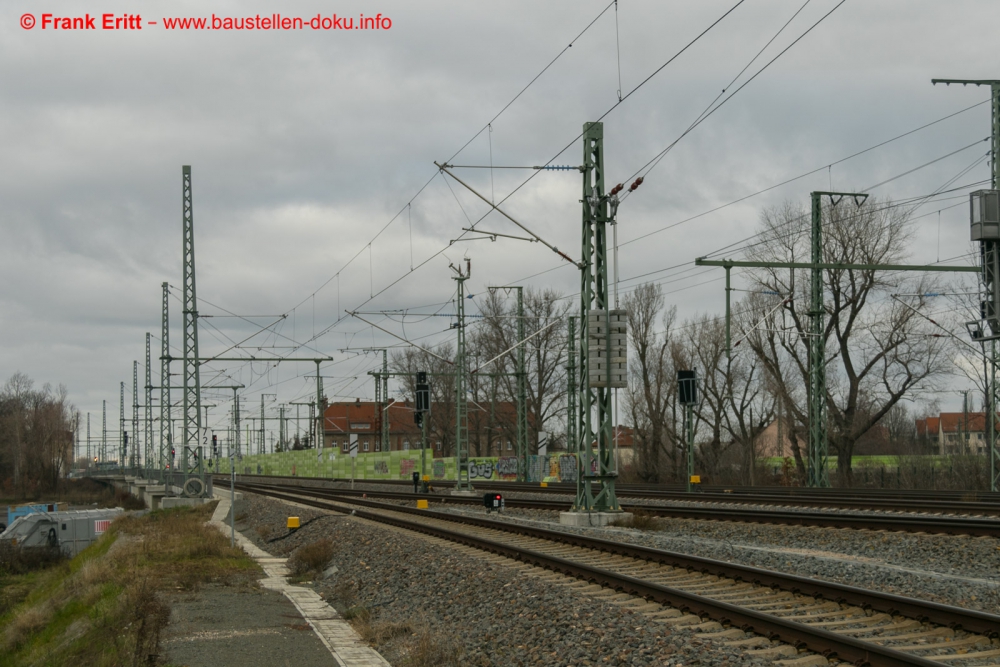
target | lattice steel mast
x=192, y=376
x=149, y=406
x=462, y=483
x=594, y=297
x=165, y=441
x=989, y=249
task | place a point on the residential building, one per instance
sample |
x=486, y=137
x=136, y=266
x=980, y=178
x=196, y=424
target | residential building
x=955, y=432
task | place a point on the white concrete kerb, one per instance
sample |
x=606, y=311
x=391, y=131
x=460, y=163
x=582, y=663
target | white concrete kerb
x=347, y=648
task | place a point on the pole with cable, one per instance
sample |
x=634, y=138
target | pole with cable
x=988, y=234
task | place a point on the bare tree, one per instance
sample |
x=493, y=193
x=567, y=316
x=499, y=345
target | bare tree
x=441, y=424
x=545, y=357
x=36, y=435
x=877, y=350
x=734, y=407
x=651, y=394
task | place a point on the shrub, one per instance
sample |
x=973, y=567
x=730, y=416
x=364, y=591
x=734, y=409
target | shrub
x=312, y=557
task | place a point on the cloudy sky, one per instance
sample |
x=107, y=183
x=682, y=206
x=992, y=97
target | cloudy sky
x=306, y=145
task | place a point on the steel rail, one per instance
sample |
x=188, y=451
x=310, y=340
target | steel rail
x=908, y=500
x=943, y=525
x=797, y=634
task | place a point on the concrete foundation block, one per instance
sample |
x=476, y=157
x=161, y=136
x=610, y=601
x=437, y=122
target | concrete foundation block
x=464, y=494
x=167, y=503
x=591, y=519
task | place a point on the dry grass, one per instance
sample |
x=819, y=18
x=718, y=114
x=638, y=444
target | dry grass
x=25, y=623
x=418, y=644
x=427, y=648
x=312, y=558
x=380, y=632
x=640, y=520
x=103, y=608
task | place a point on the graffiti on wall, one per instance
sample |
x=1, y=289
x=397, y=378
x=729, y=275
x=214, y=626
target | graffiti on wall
x=481, y=469
x=507, y=467
x=438, y=469
x=381, y=468
x=567, y=468
x=406, y=467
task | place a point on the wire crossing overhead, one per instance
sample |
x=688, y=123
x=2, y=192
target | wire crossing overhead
x=501, y=212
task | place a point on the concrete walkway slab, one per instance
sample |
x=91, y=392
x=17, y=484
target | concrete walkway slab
x=336, y=634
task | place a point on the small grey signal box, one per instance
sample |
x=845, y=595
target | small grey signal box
x=985, y=215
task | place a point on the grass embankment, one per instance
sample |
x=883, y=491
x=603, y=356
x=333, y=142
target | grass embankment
x=104, y=607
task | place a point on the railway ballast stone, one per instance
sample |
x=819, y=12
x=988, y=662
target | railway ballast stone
x=492, y=613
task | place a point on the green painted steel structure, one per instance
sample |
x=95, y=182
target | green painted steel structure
x=594, y=296
x=522, y=392
x=165, y=439
x=463, y=482
x=192, y=374
x=572, y=418
x=121, y=427
x=148, y=463
x=134, y=452
x=990, y=259
x=817, y=474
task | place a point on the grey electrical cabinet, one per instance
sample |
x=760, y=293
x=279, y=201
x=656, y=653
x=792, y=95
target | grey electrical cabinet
x=985, y=215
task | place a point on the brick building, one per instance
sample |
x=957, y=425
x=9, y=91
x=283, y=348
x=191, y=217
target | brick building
x=364, y=418
x=955, y=432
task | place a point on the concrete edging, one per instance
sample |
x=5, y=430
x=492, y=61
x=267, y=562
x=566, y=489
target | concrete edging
x=347, y=648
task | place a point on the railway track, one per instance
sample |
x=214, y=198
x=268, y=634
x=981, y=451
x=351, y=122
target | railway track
x=723, y=600
x=907, y=522
x=934, y=502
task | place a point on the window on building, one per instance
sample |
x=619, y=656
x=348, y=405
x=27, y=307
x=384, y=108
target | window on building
x=346, y=445
x=510, y=445
x=437, y=445
x=378, y=445
x=406, y=445
x=366, y=444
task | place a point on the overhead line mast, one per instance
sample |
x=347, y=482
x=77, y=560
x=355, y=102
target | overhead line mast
x=989, y=250
x=192, y=376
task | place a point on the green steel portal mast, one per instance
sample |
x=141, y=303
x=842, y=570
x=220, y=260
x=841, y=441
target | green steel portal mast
x=122, y=444
x=134, y=454
x=165, y=443
x=989, y=250
x=463, y=483
x=521, y=387
x=817, y=473
x=594, y=297
x=148, y=451
x=192, y=377
x=572, y=418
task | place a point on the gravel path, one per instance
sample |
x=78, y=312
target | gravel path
x=468, y=610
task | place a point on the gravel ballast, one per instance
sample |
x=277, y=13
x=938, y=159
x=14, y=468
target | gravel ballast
x=477, y=611
x=956, y=570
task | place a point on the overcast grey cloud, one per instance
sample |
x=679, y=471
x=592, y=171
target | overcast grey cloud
x=304, y=144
